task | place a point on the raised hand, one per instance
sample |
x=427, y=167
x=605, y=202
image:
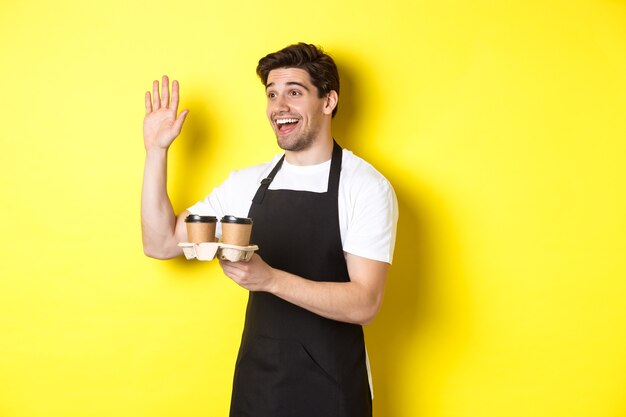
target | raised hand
x=162, y=124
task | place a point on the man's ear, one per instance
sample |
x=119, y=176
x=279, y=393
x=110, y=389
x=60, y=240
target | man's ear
x=330, y=102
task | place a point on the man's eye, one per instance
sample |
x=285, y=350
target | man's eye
x=294, y=93
x=271, y=95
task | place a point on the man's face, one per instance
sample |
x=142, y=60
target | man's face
x=294, y=109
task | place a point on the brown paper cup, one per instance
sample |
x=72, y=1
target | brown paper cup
x=200, y=228
x=236, y=230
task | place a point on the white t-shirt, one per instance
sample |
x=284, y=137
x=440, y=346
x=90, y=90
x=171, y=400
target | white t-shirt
x=368, y=208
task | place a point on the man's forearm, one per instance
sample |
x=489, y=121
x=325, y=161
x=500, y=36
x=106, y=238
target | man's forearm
x=343, y=301
x=356, y=301
x=158, y=221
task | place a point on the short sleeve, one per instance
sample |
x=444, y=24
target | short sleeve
x=371, y=215
x=233, y=196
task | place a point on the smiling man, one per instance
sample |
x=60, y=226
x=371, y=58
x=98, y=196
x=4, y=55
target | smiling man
x=295, y=110
x=325, y=222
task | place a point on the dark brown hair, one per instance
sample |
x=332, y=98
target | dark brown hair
x=311, y=58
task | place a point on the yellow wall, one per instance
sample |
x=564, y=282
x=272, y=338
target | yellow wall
x=500, y=124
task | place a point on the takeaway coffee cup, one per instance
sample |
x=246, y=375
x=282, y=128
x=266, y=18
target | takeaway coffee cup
x=200, y=228
x=236, y=230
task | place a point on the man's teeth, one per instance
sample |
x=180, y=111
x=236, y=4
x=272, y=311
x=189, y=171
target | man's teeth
x=285, y=121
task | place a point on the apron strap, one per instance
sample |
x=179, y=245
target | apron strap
x=333, y=176
x=335, y=171
x=265, y=182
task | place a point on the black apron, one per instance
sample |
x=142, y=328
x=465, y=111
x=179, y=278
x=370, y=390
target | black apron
x=292, y=362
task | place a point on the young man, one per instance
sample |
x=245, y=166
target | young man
x=324, y=221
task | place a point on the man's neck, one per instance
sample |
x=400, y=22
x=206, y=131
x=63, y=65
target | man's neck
x=319, y=152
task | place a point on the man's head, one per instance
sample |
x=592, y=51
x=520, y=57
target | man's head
x=320, y=66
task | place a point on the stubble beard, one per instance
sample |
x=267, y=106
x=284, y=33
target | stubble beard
x=300, y=142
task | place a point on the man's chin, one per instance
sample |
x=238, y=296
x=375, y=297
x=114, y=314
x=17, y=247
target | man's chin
x=293, y=144
x=286, y=144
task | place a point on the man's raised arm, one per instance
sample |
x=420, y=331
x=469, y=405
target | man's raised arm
x=161, y=230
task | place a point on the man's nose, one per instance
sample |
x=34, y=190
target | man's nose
x=281, y=103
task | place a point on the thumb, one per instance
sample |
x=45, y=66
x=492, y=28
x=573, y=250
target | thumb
x=178, y=123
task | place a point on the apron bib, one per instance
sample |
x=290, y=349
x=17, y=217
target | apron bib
x=292, y=362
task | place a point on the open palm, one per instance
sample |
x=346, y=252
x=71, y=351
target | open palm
x=162, y=124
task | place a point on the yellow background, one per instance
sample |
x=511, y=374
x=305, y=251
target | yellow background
x=501, y=125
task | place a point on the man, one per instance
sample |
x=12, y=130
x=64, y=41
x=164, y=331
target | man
x=324, y=221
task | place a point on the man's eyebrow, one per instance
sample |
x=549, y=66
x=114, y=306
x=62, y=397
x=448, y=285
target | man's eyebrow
x=289, y=83
x=297, y=83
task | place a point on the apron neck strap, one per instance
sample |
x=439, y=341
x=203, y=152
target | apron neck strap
x=333, y=177
x=335, y=171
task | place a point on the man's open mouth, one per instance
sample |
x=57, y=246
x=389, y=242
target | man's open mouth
x=286, y=124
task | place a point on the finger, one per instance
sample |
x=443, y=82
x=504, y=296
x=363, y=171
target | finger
x=234, y=265
x=178, y=123
x=156, y=101
x=229, y=268
x=174, y=102
x=165, y=91
x=148, y=100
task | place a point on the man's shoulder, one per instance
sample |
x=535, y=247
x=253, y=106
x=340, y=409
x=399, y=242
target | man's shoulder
x=358, y=170
x=253, y=172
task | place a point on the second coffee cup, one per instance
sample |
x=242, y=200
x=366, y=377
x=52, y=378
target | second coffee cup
x=236, y=230
x=200, y=228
